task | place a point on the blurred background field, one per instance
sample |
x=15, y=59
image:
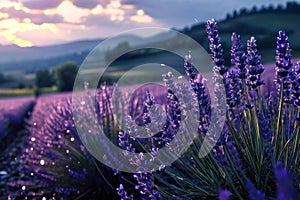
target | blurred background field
x=34, y=67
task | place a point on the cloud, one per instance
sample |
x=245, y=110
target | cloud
x=179, y=13
x=41, y=4
x=34, y=18
x=69, y=12
x=90, y=4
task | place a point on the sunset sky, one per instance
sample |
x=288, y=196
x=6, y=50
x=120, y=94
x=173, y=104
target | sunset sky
x=47, y=22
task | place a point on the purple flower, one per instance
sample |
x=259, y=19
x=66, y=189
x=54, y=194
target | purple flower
x=225, y=141
x=283, y=55
x=123, y=194
x=265, y=127
x=146, y=185
x=215, y=46
x=233, y=88
x=224, y=194
x=283, y=65
x=147, y=105
x=189, y=68
x=238, y=55
x=285, y=187
x=253, y=193
x=254, y=66
x=201, y=94
x=295, y=80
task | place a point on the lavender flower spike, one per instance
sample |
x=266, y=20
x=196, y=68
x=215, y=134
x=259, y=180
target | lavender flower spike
x=283, y=65
x=253, y=193
x=238, y=55
x=283, y=55
x=224, y=194
x=254, y=66
x=123, y=194
x=295, y=79
x=215, y=46
x=285, y=187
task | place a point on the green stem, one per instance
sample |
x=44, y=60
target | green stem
x=278, y=121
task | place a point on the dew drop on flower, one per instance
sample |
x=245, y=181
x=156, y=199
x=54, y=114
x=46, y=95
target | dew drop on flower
x=161, y=167
x=23, y=187
x=33, y=139
x=72, y=139
x=42, y=162
x=83, y=103
x=67, y=151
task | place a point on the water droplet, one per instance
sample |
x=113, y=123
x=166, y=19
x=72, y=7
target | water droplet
x=23, y=187
x=161, y=167
x=83, y=103
x=42, y=162
x=33, y=139
x=67, y=151
x=72, y=139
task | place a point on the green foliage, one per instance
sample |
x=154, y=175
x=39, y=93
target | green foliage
x=2, y=78
x=65, y=75
x=43, y=78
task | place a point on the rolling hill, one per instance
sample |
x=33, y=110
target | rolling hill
x=264, y=24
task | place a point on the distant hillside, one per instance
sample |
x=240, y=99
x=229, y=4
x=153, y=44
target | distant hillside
x=263, y=23
x=29, y=59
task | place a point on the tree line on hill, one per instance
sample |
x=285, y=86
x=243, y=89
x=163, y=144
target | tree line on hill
x=63, y=76
x=291, y=7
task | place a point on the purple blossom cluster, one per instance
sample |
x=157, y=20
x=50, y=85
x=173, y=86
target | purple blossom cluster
x=254, y=66
x=283, y=66
x=216, y=47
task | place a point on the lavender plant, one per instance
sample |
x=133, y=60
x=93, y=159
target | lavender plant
x=56, y=164
x=255, y=157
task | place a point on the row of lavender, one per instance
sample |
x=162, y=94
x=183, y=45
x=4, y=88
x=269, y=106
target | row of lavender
x=13, y=112
x=256, y=156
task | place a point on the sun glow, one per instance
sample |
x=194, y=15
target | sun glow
x=141, y=17
x=18, y=27
x=11, y=28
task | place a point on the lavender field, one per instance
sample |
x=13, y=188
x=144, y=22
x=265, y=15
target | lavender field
x=44, y=151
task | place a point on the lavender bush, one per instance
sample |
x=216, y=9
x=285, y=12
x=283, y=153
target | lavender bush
x=255, y=157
